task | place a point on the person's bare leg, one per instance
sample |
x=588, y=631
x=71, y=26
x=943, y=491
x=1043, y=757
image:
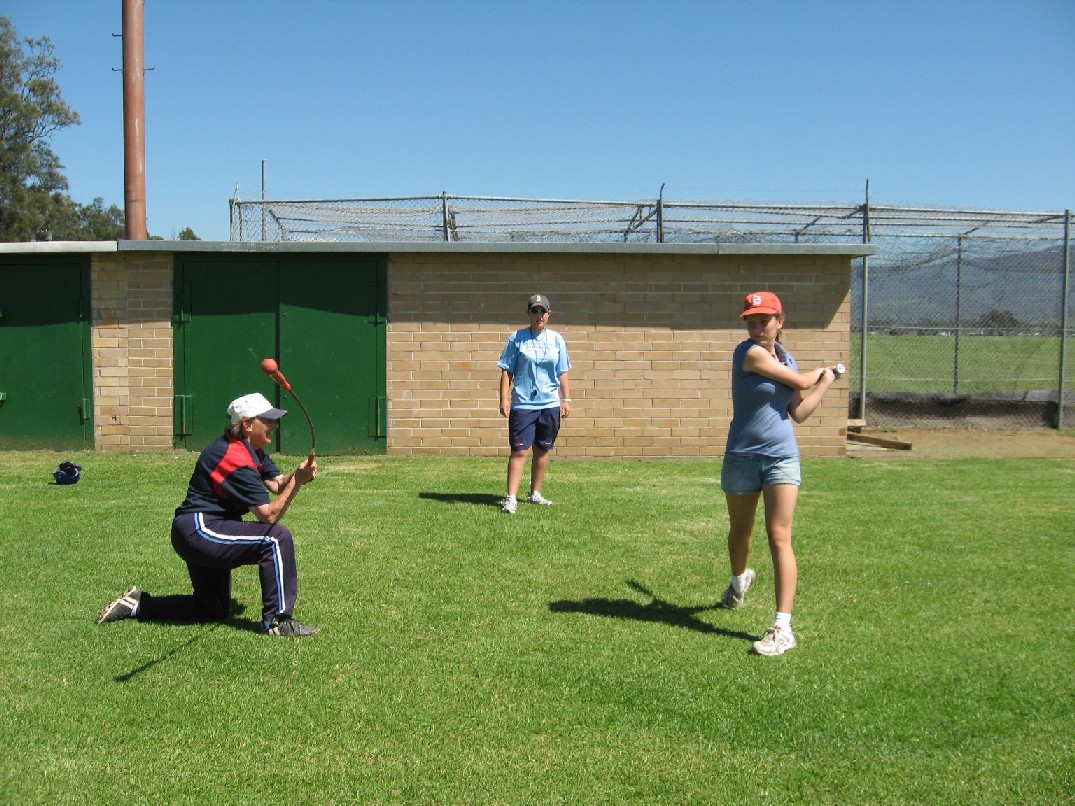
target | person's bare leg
x=516, y=465
x=741, y=511
x=538, y=468
x=780, y=501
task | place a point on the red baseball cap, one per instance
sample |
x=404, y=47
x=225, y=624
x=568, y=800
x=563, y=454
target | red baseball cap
x=761, y=302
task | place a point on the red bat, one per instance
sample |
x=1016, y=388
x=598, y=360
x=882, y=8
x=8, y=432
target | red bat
x=272, y=369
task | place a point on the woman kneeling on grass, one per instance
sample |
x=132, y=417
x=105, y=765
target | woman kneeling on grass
x=234, y=476
x=762, y=458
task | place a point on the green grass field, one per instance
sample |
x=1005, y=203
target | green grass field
x=987, y=364
x=570, y=654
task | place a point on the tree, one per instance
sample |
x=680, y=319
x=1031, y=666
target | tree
x=188, y=235
x=999, y=322
x=31, y=111
x=72, y=221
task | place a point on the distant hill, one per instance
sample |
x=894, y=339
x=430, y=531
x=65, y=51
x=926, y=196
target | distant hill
x=913, y=288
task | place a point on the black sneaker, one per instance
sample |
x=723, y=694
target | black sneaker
x=124, y=607
x=290, y=627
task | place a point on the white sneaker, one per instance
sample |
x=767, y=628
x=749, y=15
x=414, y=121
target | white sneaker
x=126, y=606
x=537, y=498
x=508, y=506
x=776, y=641
x=732, y=600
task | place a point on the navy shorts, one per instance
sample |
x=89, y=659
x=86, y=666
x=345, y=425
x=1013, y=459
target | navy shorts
x=528, y=427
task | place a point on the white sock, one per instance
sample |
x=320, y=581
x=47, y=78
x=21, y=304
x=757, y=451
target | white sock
x=782, y=621
x=739, y=582
x=509, y=498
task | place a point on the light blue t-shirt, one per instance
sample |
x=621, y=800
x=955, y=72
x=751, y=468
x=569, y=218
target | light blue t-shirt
x=761, y=425
x=536, y=363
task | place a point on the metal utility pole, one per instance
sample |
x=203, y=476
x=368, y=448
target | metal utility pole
x=864, y=317
x=1064, y=300
x=263, y=217
x=134, y=121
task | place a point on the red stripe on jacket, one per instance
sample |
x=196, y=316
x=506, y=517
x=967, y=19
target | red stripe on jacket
x=236, y=456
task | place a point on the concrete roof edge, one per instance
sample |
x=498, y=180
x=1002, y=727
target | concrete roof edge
x=430, y=247
x=57, y=247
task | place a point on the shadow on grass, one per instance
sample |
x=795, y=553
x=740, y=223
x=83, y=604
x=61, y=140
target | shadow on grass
x=126, y=677
x=234, y=621
x=483, y=499
x=656, y=610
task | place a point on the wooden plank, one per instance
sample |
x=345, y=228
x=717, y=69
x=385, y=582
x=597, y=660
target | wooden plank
x=883, y=442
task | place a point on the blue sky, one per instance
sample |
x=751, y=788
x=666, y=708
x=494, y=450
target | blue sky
x=965, y=103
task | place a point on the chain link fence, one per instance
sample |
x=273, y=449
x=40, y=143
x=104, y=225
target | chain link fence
x=963, y=329
x=962, y=318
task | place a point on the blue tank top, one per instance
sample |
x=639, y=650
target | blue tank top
x=761, y=425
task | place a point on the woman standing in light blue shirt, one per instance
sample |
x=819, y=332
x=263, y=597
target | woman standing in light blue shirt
x=762, y=458
x=534, y=394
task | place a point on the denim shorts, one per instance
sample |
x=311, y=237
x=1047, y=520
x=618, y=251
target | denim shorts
x=742, y=475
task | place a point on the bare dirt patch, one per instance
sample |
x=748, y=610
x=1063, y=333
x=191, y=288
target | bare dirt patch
x=970, y=443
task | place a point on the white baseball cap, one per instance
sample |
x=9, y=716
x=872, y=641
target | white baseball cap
x=253, y=405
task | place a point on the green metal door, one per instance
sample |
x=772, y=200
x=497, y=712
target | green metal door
x=332, y=350
x=225, y=323
x=321, y=316
x=45, y=372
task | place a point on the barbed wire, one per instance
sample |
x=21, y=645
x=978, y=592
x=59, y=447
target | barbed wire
x=492, y=218
x=962, y=302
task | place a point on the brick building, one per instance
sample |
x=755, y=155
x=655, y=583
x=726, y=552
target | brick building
x=650, y=329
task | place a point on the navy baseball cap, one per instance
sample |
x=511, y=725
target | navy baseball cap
x=538, y=300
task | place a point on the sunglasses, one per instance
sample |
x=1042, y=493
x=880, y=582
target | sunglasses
x=541, y=311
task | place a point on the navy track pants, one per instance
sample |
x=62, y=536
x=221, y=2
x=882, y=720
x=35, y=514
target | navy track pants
x=211, y=548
